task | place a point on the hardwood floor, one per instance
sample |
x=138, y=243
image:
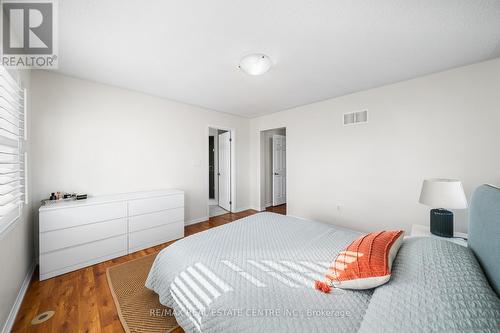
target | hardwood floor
x=281, y=209
x=82, y=300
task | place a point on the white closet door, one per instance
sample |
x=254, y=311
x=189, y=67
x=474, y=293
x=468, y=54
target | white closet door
x=279, y=170
x=225, y=170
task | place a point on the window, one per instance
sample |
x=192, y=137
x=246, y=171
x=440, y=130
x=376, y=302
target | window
x=12, y=156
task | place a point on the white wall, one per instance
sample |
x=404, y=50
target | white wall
x=16, y=244
x=442, y=125
x=100, y=139
x=266, y=156
x=97, y=139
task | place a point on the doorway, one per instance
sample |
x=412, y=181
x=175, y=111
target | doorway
x=220, y=171
x=273, y=175
x=211, y=168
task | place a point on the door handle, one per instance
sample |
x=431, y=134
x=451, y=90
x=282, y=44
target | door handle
x=218, y=173
x=276, y=174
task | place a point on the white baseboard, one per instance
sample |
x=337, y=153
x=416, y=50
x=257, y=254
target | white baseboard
x=241, y=209
x=250, y=207
x=19, y=299
x=262, y=208
x=297, y=217
x=205, y=218
x=198, y=220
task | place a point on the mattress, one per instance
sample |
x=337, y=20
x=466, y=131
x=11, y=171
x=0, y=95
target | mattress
x=257, y=275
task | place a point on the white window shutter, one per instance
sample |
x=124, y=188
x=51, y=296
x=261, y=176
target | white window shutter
x=12, y=156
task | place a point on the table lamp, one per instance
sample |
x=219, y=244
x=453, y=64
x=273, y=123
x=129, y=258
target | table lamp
x=440, y=194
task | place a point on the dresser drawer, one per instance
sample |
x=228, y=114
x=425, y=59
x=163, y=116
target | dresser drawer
x=151, y=205
x=62, y=238
x=145, y=238
x=146, y=221
x=70, y=217
x=79, y=256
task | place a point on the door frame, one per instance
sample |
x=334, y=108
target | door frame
x=216, y=166
x=260, y=181
x=272, y=169
x=233, y=167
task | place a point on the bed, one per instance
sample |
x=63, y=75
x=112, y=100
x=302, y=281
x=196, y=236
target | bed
x=257, y=275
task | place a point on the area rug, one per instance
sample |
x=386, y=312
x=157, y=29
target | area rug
x=138, y=307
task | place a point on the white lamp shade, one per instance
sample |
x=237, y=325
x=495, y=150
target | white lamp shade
x=255, y=64
x=443, y=193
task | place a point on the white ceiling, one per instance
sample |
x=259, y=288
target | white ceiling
x=188, y=50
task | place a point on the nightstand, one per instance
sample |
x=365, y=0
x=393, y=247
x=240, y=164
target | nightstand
x=418, y=230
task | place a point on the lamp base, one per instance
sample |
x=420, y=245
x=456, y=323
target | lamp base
x=441, y=222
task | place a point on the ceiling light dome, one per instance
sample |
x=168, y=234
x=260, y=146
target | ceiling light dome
x=255, y=64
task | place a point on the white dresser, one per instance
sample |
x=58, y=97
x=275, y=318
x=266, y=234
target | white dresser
x=75, y=234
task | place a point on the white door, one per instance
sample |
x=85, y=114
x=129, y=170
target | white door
x=279, y=170
x=225, y=170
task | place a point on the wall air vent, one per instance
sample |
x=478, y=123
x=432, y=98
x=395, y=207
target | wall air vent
x=354, y=118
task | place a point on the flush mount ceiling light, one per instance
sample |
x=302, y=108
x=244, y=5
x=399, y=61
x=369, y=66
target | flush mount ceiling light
x=255, y=64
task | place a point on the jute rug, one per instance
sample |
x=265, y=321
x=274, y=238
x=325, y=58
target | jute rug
x=138, y=307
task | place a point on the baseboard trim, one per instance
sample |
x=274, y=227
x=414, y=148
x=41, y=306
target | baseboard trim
x=298, y=217
x=198, y=220
x=242, y=209
x=205, y=218
x=9, y=323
